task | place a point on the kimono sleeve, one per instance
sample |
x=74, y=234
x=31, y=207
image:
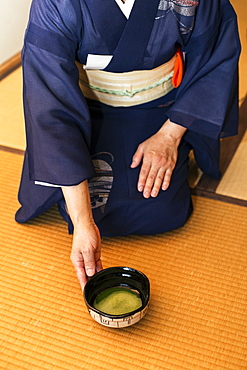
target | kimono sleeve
x=58, y=127
x=207, y=99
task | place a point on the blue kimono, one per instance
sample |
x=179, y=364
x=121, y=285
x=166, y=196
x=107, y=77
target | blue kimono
x=70, y=138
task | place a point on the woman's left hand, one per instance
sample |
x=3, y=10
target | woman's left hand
x=158, y=155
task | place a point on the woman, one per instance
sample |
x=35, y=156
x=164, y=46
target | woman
x=112, y=150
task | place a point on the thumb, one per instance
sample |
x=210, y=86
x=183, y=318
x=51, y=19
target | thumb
x=137, y=157
x=89, y=263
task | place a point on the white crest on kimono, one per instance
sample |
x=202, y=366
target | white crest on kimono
x=100, y=186
x=184, y=8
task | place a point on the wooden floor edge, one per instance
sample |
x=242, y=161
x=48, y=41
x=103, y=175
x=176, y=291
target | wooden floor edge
x=10, y=65
x=216, y=196
x=11, y=150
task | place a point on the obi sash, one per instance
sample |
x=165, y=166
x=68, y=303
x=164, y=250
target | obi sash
x=128, y=88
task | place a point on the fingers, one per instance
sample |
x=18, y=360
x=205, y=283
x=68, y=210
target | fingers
x=154, y=183
x=98, y=263
x=80, y=272
x=159, y=155
x=154, y=188
x=85, y=256
x=150, y=181
x=167, y=179
x=156, y=172
x=78, y=263
x=86, y=266
x=99, y=266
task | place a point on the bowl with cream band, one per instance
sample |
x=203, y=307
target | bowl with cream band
x=117, y=297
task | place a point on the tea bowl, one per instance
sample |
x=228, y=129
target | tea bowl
x=117, y=277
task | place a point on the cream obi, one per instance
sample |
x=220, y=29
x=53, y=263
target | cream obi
x=128, y=88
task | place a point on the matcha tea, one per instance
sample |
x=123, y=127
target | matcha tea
x=117, y=301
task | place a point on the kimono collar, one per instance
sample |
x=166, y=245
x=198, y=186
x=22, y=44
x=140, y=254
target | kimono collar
x=108, y=20
x=126, y=39
x=125, y=7
x=128, y=55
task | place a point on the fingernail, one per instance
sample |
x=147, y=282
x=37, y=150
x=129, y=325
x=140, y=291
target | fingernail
x=90, y=272
x=154, y=193
x=140, y=187
x=146, y=194
x=165, y=186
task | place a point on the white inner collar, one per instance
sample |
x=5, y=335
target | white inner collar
x=126, y=7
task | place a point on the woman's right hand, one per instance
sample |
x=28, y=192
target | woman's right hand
x=86, y=245
x=86, y=252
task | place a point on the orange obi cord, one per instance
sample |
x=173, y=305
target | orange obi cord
x=178, y=69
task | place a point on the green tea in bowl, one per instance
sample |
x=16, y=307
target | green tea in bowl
x=118, y=301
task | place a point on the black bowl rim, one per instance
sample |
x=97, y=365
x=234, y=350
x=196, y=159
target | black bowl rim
x=131, y=313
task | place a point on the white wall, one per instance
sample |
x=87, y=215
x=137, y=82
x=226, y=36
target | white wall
x=13, y=21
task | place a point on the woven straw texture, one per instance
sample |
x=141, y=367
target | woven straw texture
x=11, y=112
x=197, y=317
x=234, y=181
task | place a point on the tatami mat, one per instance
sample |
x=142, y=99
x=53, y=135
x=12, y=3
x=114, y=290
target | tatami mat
x=240, y=7
x=197, y=317
x=234, y=181
x=11, y=113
